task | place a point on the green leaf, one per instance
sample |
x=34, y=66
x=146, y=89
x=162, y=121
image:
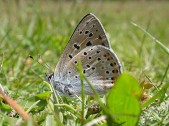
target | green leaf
x=43, y=96
x=123, y=101
x=41, y=101
x=5, y=107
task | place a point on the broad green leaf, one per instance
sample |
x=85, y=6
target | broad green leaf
x=123, y=101
x=44, y=96
x=5, y=107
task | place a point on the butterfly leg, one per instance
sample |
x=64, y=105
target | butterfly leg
x=68, y=89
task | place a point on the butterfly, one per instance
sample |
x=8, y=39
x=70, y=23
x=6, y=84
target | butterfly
x=100, y=65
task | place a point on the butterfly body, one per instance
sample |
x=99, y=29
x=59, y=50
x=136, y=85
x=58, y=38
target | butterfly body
x=89, y=45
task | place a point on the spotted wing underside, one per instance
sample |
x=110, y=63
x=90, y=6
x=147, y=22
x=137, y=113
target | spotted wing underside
x=100, y=65
x=89, y=32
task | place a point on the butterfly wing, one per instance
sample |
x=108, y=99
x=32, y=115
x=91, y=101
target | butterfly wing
x=100, y=65
x=89, y=32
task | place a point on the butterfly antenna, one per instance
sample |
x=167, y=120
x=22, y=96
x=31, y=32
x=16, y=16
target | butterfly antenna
x=44, y=65
x=47, y=66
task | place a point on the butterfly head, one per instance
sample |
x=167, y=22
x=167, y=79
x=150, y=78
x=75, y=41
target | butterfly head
x=49, y=77
x=63, y=89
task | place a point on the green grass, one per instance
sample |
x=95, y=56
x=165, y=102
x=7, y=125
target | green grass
x=44, y=28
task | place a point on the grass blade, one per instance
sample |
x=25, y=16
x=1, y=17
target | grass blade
x=156, y=40
x=159, y=93
x=82, y=91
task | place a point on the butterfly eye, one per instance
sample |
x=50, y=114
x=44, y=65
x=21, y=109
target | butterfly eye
x=50, y=77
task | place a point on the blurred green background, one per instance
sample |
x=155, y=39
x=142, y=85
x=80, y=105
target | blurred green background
x=43, y=28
